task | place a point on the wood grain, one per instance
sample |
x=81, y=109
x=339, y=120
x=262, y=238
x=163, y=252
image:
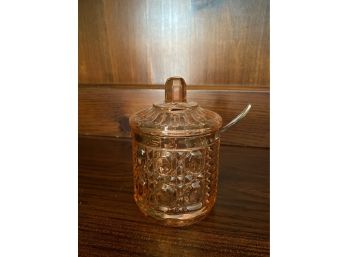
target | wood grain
x=110, y=223
x=146, y=41
x=104, y=111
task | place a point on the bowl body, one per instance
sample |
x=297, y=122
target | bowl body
x=175, y=178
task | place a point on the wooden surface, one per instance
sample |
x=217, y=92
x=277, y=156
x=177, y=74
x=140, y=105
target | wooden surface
x=104, y=111
x=147, y=41
x=110, y=223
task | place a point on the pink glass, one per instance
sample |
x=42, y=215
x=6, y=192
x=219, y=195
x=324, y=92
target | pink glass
x=176, y=157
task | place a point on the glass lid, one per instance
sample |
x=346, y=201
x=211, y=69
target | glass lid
x=176, y=116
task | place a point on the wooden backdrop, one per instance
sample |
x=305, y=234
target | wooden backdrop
x=127, y=49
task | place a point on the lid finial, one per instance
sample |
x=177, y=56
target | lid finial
x=175, y=90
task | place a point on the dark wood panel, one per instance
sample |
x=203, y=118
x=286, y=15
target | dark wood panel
x=147, y=41
x=104, y=111
x=110, y=223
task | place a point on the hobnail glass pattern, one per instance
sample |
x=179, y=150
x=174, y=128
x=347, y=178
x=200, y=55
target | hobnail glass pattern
x=175, y=184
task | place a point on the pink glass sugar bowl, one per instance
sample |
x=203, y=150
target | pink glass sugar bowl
x=175, y=149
